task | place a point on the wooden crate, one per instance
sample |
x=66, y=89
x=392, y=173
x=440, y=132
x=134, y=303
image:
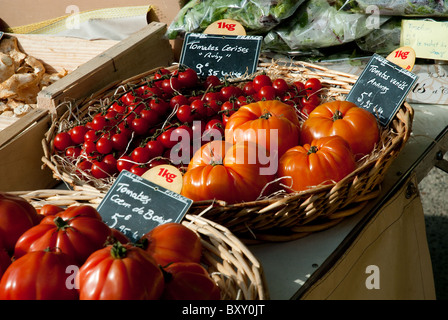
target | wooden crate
x=92, y=65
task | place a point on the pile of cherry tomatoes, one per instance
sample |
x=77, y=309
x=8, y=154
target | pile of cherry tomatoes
x=142, y=127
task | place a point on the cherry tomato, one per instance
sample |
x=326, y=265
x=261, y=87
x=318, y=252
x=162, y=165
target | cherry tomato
x=212, y=81
x=312, y=85
x=230, y=91
x=139, y=169
x=248, y=89
x=188, y=78
x=266, y=93
x=99, y=170
x=77, y=134
x=62, y=141
x=140, y=125
x=171, y=85
x=260, y=81
x=200, y=109
x=141, y=155
x=185, y=114
x=155, y=147
x=178, y=100
x=281, y=86
x=92, y=135
x=160, y=106
x=73, y=152
x=104, y=145
x=146, y=92
x=119, y=141
x=124, y=163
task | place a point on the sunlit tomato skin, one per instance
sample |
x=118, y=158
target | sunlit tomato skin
x=120, y=272
x=356, y=125
x=326, y=160
x=39, y=275
x=172, y=242
x=230, y=172
x=272, y=124
x=16, y=216
x=189, y=281
x=62, y=141
x=76, y=231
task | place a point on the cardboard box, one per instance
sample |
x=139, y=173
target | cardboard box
x=11, y=14
x=21, y=148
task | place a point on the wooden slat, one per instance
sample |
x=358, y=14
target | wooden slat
x=144, y=50
x=61, y=53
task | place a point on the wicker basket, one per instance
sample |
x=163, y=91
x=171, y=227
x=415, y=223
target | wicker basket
x=281, y=217
x=232, y=266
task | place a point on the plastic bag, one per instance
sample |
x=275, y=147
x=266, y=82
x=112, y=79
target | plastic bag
x=383, y=40
x=257, y=16
x=426, y=8
x=317, y=24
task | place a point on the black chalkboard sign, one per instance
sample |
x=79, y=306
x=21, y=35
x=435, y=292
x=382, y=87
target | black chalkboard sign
x=381, y=88
x=221, y=55
x=135, y=206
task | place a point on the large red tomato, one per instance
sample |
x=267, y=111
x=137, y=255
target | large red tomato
x=77, y=231
x=120, y=272
x=5, y=261
x=272, y=124
x=189, y=281
x=173, y=242
x=16, y=216
x=343, y=118
x=38, y=275
x=232, y=173
x=325, y=160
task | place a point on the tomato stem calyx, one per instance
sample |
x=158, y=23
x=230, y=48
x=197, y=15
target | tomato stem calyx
x=337, y=115
x=60, y=223
x=313, y=149
x=118, y=251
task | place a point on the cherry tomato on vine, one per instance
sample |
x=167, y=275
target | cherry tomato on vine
x=260, y=81
x=124, y=163
x=77, y=134
x=312, y=85
x=62, y=141
x=188, y=78
x=266, y=93
x=104, y=145
x=185, y=113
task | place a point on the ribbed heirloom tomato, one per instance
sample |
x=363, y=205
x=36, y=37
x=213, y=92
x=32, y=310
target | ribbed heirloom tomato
x=16, y=216
x=120, y=272
x=264, y=121
x=76, y=231
x=189, y=281
x=343, y=118
x=39, y=275
x=325, y=160
x=172, y=242
x=230, y=172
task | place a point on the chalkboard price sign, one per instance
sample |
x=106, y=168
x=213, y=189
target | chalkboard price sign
x=221, y=55
x=381, y=88
x=135, y=206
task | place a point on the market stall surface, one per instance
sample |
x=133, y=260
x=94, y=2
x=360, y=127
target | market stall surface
x=434, y=196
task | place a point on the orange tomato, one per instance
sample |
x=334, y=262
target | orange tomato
x=325, y=160
x=230, y=172
x=356, y=125
x=272, y=124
